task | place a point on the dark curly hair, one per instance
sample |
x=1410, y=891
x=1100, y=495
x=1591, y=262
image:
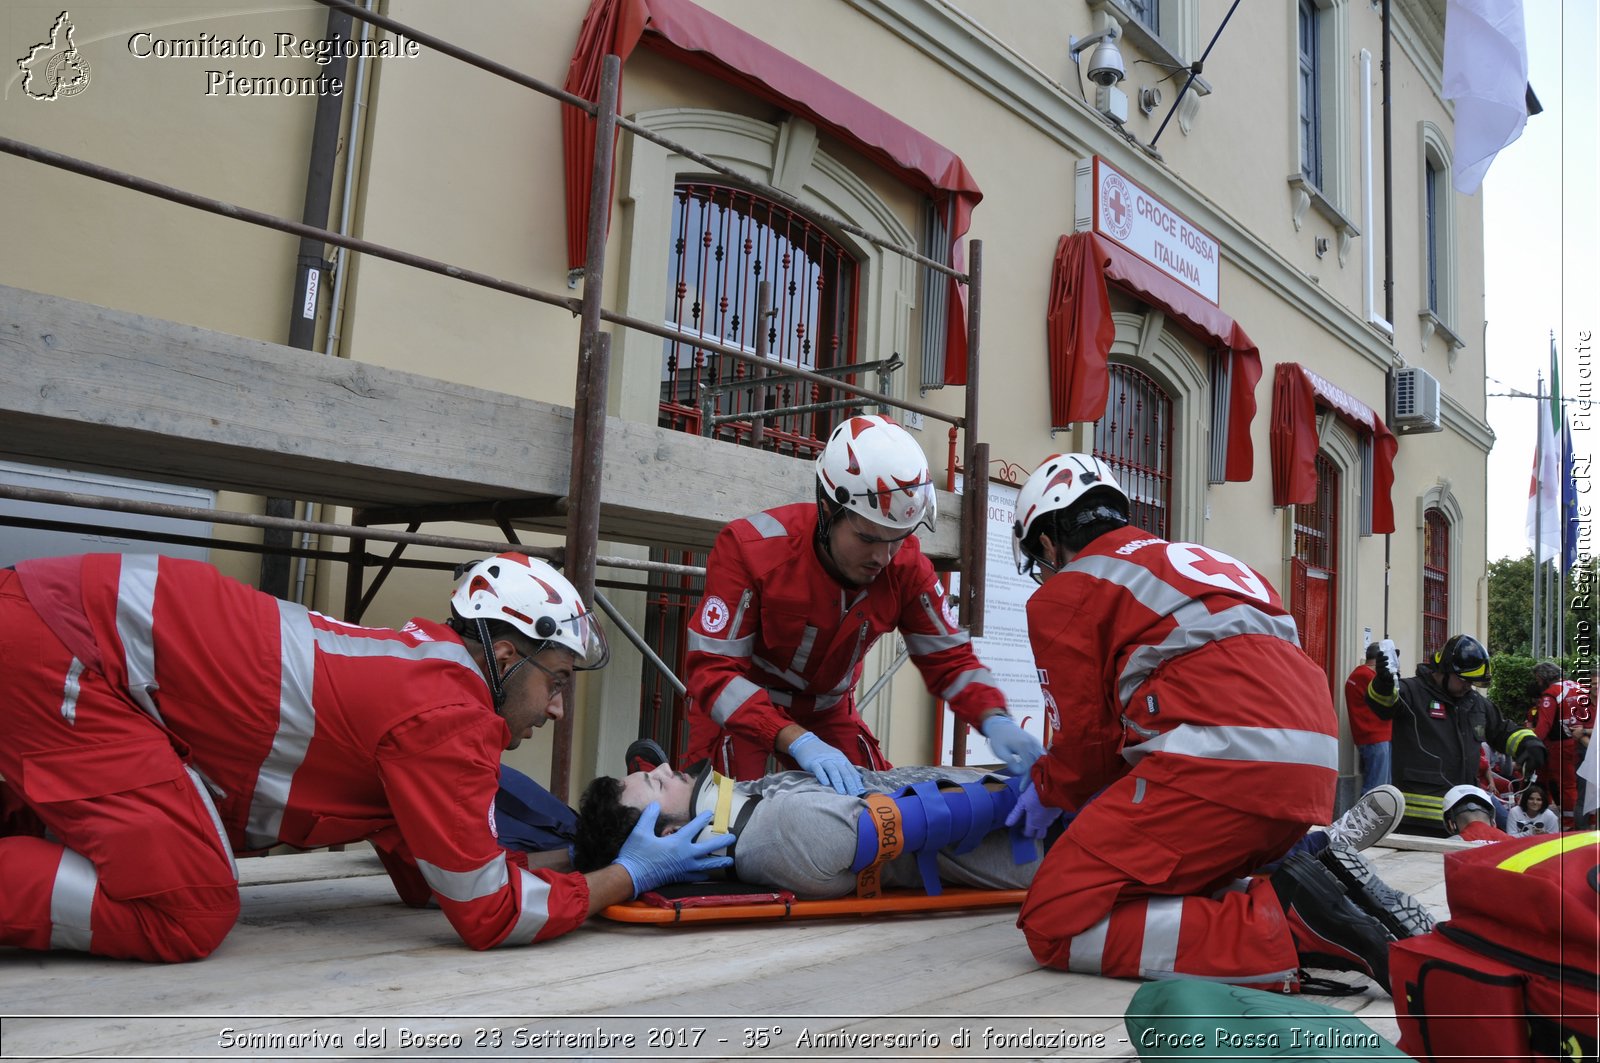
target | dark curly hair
x=604, y=823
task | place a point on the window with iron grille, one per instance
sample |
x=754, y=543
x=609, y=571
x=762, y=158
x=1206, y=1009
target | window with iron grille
x=1135, y=439
x=1435, y=578
x=725, y=242
x=1310, y=47
x=1314, y=591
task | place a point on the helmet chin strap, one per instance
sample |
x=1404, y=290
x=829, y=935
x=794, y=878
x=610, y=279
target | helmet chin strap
x=491, y=668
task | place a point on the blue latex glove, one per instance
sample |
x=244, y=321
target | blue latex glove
x=654, y=861
x=827, y=764
x=1016, y=748
x=1033, y=813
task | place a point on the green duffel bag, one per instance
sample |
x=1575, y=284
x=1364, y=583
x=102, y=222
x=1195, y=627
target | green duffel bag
x=1183, y=1018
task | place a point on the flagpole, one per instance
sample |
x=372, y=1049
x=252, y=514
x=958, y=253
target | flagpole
x=1538, y=520
x=1558, y=423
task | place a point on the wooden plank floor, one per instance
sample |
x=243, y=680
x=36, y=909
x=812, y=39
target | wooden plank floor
x=324, y=949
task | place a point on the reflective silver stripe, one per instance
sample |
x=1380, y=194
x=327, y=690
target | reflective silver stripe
x=72, y=902
x=534, y=911
x=465, y=886
x=966, y=679
x=216, y=820
x=297, y=720
x=70, y=690
x=782, y=673
x=1138, y=790
x=1198, y=626
x=808, y=639
x=341, y=644
x=1158, y=955
x=1150, y=590
x=738, y=691
x=699, y=643
x=935, y=621
x=822, y=701
x=1086, y=952
x=922, y=645
x=136, y=608
x=847, y=681
x=768, y=526
x=1266, y=745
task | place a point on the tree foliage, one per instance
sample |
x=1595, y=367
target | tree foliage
x=1511, y=607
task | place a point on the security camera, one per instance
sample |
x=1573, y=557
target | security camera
x=1105, y=62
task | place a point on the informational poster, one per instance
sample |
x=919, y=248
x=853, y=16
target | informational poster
x=1004, y=647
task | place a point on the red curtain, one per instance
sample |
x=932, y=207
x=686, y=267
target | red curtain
x=699, y=39
x=1296, y=392
x=1079, y=333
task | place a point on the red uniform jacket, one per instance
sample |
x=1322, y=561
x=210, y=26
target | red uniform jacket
x=776, y=638
x=1365, y=727
x=1181, y=661
x=312, y=732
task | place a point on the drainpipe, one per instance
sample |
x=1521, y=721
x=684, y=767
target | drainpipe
x=308, y=278
x=347, y=185
x=1388, y=262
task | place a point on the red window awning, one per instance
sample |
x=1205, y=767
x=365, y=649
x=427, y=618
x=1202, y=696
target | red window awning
x=1296, y=392
x=701, y=40
x=1080, y=332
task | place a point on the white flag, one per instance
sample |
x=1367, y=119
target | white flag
x=1589, y=770
x=1486, y=74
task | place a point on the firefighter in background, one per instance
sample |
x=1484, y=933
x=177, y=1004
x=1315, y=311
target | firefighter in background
x=1182, y=703
x=1559, y=716
x=796, y=596
x=1440, y=722
x=160, y=718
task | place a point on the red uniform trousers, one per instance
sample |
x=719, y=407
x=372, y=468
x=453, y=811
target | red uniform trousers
x=140, y=869
x=1560, y=776
x=1145, y=884
x=740, y=758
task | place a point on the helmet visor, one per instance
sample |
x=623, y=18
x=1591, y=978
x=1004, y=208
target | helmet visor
x=583, y=635
x=904, y=507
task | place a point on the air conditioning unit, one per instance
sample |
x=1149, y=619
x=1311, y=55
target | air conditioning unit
x=1416, y=401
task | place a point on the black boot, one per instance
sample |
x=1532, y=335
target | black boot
x=1329, y=931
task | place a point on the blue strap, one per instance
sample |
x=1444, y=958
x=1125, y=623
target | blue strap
x=939, y=826
x=980, y=814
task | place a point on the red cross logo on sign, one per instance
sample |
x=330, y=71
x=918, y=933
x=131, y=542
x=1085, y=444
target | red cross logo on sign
x=1216, y=569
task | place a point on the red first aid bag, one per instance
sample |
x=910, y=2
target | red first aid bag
x=1515, y=971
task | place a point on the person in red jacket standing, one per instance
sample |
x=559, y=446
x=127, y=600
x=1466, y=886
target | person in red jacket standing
x=1559, y=713
x=796, y=596
x=1370, y=734
x=1183, y=705
x=160, y=718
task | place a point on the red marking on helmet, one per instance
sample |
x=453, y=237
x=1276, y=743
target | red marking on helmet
x=554, y=599
x=1028, y=517
x=909, y=486
x=881, y=496
x=1060, y=479
x=506, y=609
x=854, y=467
x=859, y=425
x=480, y=583
x=522, y=559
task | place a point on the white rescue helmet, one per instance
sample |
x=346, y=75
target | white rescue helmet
x=1058, y=484
x=534, y=598
x=1458, y=797
x=872, y=466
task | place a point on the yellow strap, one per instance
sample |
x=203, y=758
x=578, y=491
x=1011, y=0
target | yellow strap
x=719, y=818
x=1538, y=854
x=891, y=840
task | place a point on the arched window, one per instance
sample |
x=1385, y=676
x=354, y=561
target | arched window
x=1435, y=578
x=725, y=242
x=1135, y=439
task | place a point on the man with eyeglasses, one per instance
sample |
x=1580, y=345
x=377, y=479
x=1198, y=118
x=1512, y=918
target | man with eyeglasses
x=796, y=596
x=160, y=718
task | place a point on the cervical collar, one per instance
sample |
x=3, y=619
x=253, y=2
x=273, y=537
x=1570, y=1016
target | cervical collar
x=730, y=809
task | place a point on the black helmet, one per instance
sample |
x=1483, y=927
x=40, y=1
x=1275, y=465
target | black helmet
x=1464, y=656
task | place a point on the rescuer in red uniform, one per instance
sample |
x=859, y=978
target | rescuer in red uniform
x=1181, y=702
x=796, y=596
x=159, y=718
